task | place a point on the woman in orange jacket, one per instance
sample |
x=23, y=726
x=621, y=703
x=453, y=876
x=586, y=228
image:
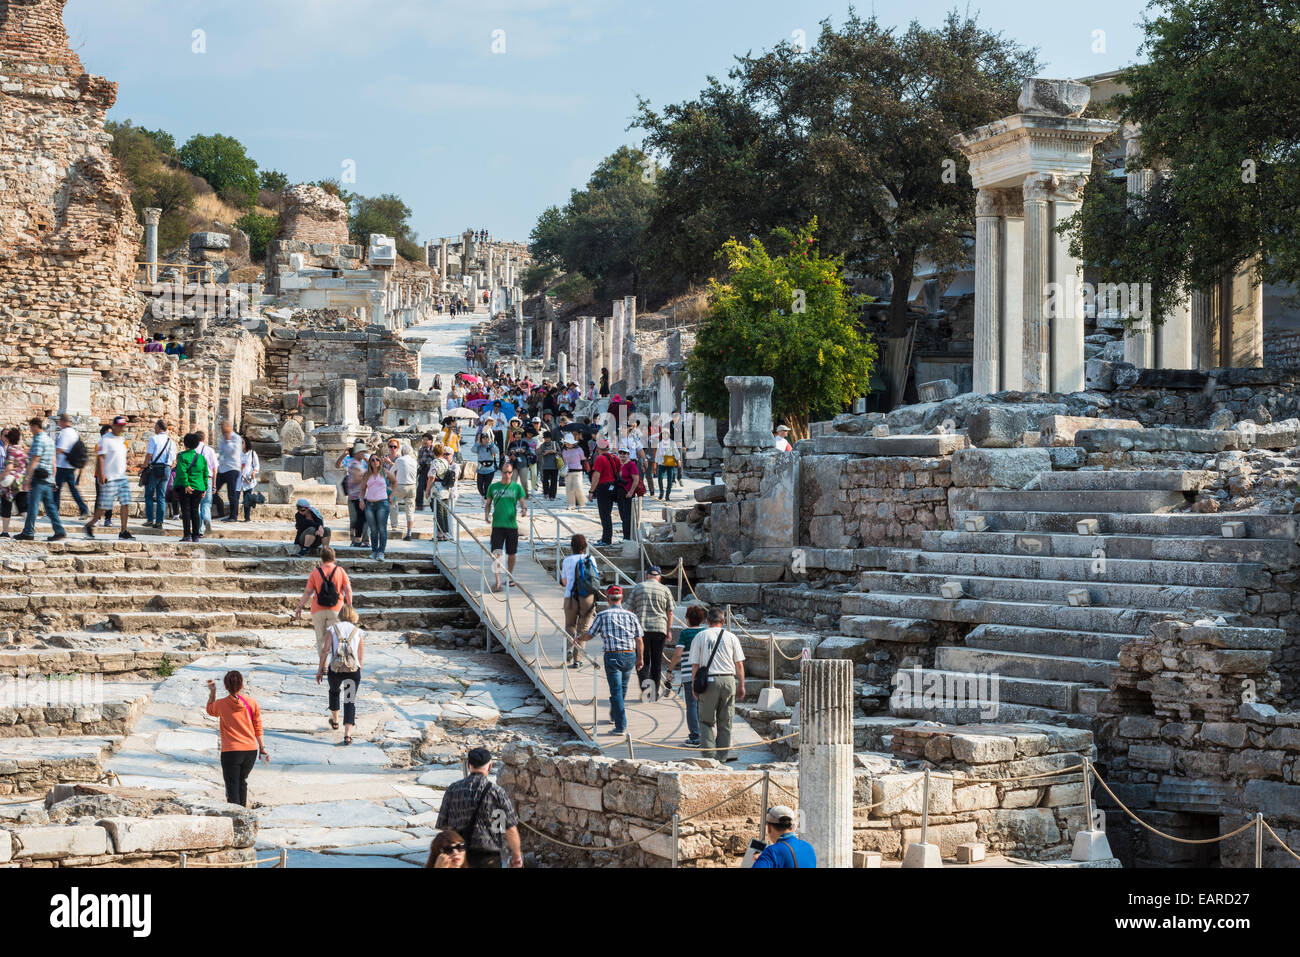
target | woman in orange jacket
x=240, y=729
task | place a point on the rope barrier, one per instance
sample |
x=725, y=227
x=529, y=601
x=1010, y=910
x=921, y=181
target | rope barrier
x=774, y=639
x=1177, y=840
x=1279, y=840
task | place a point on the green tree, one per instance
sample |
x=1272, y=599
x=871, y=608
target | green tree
x=261, y=230
x=538, y=276
x=790, y=317
x=1220, y=118
x=575, y=288
x=386, y=215
x=274, y=180
x=224, y=163
x=598, y=232
x=854, y=131
x=164, y=141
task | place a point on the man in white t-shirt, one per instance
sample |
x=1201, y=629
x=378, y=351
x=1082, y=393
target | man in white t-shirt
x=159, y=457
x=726, y=670
x=110, y=472
x=64, y=472
x=404, y=472
x=782, y=435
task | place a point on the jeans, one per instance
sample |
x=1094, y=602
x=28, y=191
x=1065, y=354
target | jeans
x=155, y=495
x=205, y=510
x=618, y=669
x=42, y=493
x=625, y=513
x=667, y=475
x=442, y=506
x=229, y=481
x=248, y=505
x=377, y=524
x=349, y=693
x=357, y=521
x=605, y=505
x=654, y=653
x=235, y=768
x=191, y=524
x=68, y=476
x=692, y=707
x=484, y=480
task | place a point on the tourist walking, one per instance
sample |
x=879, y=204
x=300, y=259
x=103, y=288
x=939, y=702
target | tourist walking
x=239, y=730
x=13, y=493
x=668, y=458
x=342, y=655
x=191, y=484
x=210, y=456
x=549, y=461
x=581, y=580
x=328, y=590
x=39, y=486
x=620, y=633
x=716, y=655
x=575, y=472
x=374, y=499
x=69, y=459
x=403, y=474
x=784, y=849
x=159, y=459
x=652, y=602
x=448, y=850
x=442, y=489
x=489, y=460
x=250, y=469
x=354, y=465
x=604, y=487
x=481, y=810
x=424, y=459
x=230, y=458
x=309, y=529
x=628, y=490
x=110, y=472
x=506, y=503
x=681, y=654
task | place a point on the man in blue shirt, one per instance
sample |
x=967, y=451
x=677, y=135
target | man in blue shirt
x=783, y=848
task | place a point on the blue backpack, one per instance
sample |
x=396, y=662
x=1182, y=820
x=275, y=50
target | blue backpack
x=586, y=578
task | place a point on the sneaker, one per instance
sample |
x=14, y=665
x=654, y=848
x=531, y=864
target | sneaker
x=380, y=557
x=20, y=537
x=407, y=538
x=4, y=534
x=84, y=517
x=691, y=743
x=89, y=528
x=126, y=536
x=732, y=757
x=58, y=537
x=302, y=553
x=186, y=538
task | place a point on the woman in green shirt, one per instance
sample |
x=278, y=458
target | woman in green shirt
x=694, y=625
x=191, y=485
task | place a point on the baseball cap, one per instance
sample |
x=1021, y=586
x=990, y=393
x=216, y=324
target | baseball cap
x=478, y=757
x=602, y=443
x=303, y=503
x=653, y=570
x=613, y=590
x=119, y=420
x=780, y=814
x=783, y=428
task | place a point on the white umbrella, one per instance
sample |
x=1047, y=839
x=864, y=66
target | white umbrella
x=463, y=413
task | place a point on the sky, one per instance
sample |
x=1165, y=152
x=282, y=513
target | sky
x=482, y=113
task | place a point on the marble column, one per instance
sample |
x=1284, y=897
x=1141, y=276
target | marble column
x=152, y=217
x=1205, y=330
x=491, y=272
x=1066, y=332
x=442, y=261
x=1139, y=335
x=592, y=342
x=561, y=367
x=616, y=340
x=1037, y=337
x=546, y=341
x=628, y=344
x=986, y=371
x=826, y=711
x=578, y=346
x=528, y=342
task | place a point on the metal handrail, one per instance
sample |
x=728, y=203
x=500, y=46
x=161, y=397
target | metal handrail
x=203, y=271
x=560, y=522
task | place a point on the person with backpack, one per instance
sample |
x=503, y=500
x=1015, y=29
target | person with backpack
x=668, y=459
x=191, y=484
x=310, y=531
x=69, y=459
x=442, y=485
x=250, y=469
x=239, y=728
x=680, y=651
x=341, y=657
x=489, y=460
x=328, y=591
x=718, y=674
x=581, y=580
x=159, y=457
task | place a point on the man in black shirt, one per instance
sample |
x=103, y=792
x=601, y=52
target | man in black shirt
x=482, y=813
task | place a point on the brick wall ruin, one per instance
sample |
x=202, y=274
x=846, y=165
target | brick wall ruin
x=311, y=215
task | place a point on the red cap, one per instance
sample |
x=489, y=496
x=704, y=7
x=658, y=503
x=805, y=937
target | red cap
x=613, y=590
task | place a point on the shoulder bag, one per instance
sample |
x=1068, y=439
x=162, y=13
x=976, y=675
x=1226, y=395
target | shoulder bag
x=700, y=684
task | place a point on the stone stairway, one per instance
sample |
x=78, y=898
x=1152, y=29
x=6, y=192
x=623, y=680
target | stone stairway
x=1049, y=608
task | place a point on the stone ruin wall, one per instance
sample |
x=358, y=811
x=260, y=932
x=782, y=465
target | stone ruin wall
x=68, y=234
x=311, y=215
x=307, y=359
x=595, y=801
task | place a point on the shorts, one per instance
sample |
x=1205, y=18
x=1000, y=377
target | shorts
x=18, y=504
x=508, y=537
x=118, y=490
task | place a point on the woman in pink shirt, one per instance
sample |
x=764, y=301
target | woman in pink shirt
x=374, y=499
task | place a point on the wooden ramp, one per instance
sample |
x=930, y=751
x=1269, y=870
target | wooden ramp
x=527, y=618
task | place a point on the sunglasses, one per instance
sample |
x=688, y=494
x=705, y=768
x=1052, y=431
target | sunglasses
x=456, y=848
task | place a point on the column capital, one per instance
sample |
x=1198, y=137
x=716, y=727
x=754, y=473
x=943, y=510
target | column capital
x=152, y=216
x=1005, y=203
x=1054, y=187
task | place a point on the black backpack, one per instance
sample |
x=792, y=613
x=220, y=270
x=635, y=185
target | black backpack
x=449, y=477
x=76, y=456
x=327, y=596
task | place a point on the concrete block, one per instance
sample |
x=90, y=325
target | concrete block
x=50, y=843
x=1234, y=529
x=169, y=832
x=1088, y=526
x=1078, y=598
x=867, y=858
x=952, y=590
x=1091, y=846
x=977, y=523
x=922, y=855
x=970, y=853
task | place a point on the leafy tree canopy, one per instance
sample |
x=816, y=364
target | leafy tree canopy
x=224, y=163
x=273, y=180
x=261, y=230
x=386, y=215
x=789, y=316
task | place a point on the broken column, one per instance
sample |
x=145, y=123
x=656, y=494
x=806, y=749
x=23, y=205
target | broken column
x=561, y=367
x=750, y=423
x=152, y=217
x=627, y=345
x=546, y=341
x=826, y=759
x=578, y=349
x=528, y=342
x=616, y=342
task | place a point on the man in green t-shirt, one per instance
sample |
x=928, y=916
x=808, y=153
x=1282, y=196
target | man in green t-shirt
x=505, y=504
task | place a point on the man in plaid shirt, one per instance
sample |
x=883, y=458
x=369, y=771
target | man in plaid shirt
x=620, y=633
x=39, y=484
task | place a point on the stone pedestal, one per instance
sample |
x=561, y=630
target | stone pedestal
x=341, y=399
x=750, y=423
x=74, y=391
x=826, y=708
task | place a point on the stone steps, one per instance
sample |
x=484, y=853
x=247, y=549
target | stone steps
x=1020, y=664
x=1059, y=696
x=85, y=707
x=110, y=660
x=1106, y=594
x=1170, y=480
x=1115, y=621
x=1047, y=641
x=371, y=618
x=131, y=582
x=739, y=573
x=1090, y=570
x=1275, y=554
x=1006, y=712
x=1178, y=524
x=1085, y=500
x=30, y=765
x=236, y=602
